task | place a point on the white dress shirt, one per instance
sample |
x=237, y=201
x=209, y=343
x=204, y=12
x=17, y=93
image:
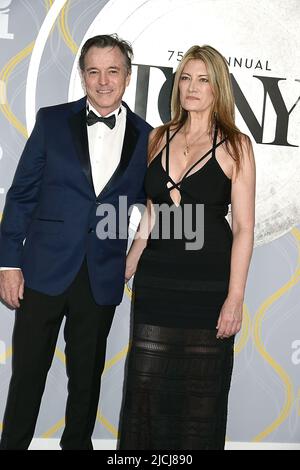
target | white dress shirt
x=105, y=148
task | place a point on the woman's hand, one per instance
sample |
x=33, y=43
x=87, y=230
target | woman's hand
x=131, y=266
x=230, y=319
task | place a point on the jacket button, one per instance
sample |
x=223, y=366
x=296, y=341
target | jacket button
x=91, y=230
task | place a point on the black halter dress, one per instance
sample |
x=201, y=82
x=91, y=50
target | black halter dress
x=179, y=373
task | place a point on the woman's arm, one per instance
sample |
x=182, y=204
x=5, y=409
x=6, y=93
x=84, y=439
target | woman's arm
x=143, y=232
x=243, y=220
x=140, y=241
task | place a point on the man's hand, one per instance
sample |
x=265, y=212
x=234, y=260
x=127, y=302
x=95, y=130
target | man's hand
x=11, y=287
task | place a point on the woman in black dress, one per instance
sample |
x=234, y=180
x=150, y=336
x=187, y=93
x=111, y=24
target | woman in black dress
x=190, y=272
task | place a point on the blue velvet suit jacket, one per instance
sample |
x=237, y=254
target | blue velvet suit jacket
x=49, y=220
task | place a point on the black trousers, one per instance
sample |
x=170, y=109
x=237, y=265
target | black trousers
x=35, y=335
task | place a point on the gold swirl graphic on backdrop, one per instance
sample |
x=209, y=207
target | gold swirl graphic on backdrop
x=245, y=331
x=4, y=76
x=60, y=356
x=48, y=4
x=258, y=319
x=55, y=428
x=6, y=355
x=100, y=417
x=64, y=27
x=128, y=291
x=108, y=364
x=3, y=358
x=117, y=358
x=110, y=427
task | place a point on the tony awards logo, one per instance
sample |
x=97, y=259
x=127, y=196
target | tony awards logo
x=4, y=16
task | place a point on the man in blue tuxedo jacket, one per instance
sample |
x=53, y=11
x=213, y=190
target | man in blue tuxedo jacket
x=79, y=156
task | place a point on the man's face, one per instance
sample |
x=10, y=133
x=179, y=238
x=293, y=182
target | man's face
x=106, y=77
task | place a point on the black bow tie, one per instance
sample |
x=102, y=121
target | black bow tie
x=92, y=118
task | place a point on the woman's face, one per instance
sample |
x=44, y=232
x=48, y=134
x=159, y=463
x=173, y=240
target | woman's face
x=196, y=94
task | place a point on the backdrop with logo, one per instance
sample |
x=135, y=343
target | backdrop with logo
x=39, y=43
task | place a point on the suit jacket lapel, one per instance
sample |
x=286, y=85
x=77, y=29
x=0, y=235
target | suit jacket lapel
x=79, y=133
x=80, y=137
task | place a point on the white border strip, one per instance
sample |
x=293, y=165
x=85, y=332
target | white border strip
x=110, y=444
x=261, y=446
x=53, y=444
x=35, y=61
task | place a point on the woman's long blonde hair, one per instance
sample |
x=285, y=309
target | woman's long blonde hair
x=223, y=110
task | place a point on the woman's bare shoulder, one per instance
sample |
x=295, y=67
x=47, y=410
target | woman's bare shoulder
x=157, y=138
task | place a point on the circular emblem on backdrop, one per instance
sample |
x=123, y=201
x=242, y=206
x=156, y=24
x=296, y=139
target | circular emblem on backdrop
x=256, y=41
